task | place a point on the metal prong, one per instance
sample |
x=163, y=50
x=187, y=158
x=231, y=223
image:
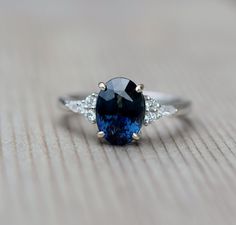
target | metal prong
x=100, y=134
x=135, y=137
x=102, y=86
x=139, y=88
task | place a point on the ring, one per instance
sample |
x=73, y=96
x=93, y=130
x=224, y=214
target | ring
x=121, y=108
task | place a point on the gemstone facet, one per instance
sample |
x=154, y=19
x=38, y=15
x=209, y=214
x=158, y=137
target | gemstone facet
x=120, y=111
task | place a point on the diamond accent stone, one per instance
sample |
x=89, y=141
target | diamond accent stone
x=152, y=105
x=154, y=110
x=167, y=110
x=91, y=116
x=85, y=107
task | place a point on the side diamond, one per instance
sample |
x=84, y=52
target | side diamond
x=75, y=106
x=152, y=105
x=85, y=107
x=91, y=101
x=155, y=111
x=167, y=110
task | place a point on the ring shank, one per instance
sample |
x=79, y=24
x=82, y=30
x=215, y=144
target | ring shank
x=182, y=105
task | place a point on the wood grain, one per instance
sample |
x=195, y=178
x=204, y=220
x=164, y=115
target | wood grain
x=52, y=168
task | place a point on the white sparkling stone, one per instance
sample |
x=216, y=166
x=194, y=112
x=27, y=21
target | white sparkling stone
x=167, y=110
x=85, y=107
x=91, y=116
x=155, y=111
x=152, y=104
x=75, y=106
x=90, y=101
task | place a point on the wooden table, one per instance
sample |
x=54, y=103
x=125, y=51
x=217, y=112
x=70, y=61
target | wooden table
x=52, y=168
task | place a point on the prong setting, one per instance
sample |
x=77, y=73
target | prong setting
x=139, y=88
x=136, y=137
x=102, y=86
x=121, y=108
x=100, y=134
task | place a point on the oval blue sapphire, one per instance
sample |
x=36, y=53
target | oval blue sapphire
x=120, y=111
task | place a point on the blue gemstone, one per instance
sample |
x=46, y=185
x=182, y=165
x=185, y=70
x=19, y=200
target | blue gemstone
x=120, y=111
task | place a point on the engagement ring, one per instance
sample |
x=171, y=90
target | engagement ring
x=121, y=108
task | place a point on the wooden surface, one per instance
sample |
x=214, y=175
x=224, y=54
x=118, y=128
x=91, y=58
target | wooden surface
x=52, y=168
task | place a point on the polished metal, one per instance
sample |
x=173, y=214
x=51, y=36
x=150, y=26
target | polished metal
x=139, y=88
x=102, y=86
x=100, y=134
x=136, y=137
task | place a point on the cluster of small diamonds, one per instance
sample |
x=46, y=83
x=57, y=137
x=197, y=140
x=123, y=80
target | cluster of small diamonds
x=86, y=107
x=152, y=112
x=155, y=111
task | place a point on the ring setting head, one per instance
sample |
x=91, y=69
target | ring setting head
x=120, y=111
